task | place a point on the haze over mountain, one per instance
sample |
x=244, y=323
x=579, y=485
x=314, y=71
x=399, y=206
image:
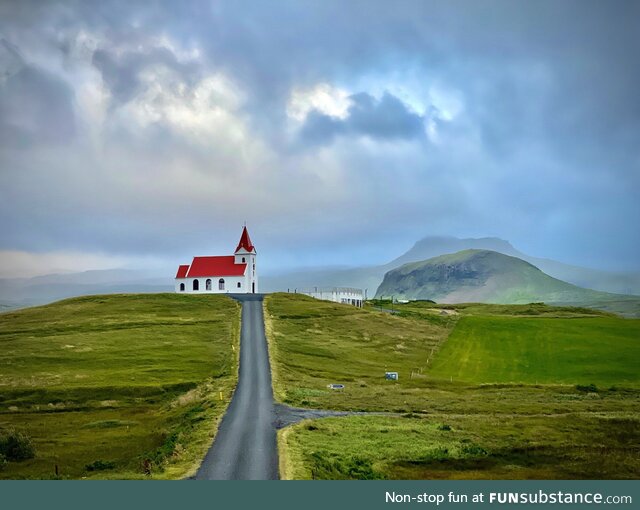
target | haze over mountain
x=490, y=277
x=18, y=292
x=370, y=277
x=21, y=292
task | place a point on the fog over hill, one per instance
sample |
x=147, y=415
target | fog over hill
x=19, y=292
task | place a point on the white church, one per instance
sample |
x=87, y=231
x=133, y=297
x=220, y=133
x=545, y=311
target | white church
x=221, y=274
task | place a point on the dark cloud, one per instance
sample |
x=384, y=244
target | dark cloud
x=388, y=118
x=35, y=106
x=541, y=145
x=122, y=72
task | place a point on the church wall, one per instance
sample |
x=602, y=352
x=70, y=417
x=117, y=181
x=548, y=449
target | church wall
x=230, y=285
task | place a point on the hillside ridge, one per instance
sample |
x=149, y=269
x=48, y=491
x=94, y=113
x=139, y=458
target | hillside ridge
x=487, y=276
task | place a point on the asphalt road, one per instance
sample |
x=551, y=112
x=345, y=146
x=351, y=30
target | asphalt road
x=245, y=446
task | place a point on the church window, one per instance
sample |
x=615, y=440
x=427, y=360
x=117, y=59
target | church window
x=208, y=284
x=239, y=285
x=243, y=260
x=196, y=285
x=221, y=284
x=182, y=287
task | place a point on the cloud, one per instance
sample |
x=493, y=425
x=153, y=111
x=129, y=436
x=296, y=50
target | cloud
x=322, y=98
x=21, y=264
x=137, y=130
x=123, y=72
x=385, y=118
x=35, y=105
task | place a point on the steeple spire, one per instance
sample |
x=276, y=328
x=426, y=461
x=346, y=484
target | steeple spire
x=245, y=241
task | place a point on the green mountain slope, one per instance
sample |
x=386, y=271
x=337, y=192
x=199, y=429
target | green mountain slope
x=491, y=277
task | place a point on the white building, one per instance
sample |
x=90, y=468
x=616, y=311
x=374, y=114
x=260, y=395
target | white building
x=223, y=274
x=344, y=295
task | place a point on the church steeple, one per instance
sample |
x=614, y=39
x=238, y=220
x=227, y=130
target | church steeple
x=245, y=242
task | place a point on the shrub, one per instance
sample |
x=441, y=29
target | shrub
x=100, y=465
x=436, y=454
x=473, y=450
x=589, y=388
x=16, y=446
x=160, y=456
x=444, y=426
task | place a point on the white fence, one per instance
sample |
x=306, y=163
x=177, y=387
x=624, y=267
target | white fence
x=344, y=295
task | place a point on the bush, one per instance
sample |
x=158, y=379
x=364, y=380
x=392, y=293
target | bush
x=161, y=455
x=16, y=446
x=473, y=450
x=589, y=388
x=100, y=465
x=444, y=426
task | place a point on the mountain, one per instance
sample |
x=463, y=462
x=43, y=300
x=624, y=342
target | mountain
x=607, y=281
x=21, y=292
x=370, y=277
x=491, y=277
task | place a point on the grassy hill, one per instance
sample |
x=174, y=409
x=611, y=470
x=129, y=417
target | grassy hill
x=102, y=384
x=560, y=400
x=491, y=277
x=616, y=282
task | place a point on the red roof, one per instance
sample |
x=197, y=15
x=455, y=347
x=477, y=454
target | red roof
x=245, y=241
x=182, y=271
x=215, y=266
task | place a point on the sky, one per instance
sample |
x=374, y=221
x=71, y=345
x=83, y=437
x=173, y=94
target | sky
x=139, y=134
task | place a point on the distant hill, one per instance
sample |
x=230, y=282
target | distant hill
x=22, y=292
x=491, y=277
x=370, y=277
x=607, y=281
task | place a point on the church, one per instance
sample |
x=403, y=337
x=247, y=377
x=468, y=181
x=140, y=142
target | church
x=222, y=274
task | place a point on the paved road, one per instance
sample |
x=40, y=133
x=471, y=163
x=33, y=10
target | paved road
x=245, y=446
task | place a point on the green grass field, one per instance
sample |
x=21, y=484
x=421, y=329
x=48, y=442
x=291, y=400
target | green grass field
x=121, y=379
x=464, y=447
x=315, y=343
x=529, y=423
x=487, y=349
